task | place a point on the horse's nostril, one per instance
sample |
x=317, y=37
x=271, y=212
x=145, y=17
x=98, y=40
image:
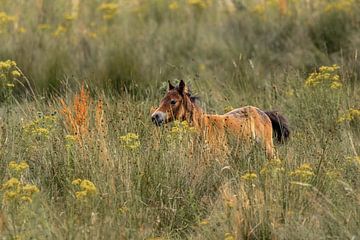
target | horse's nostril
x=156, y=118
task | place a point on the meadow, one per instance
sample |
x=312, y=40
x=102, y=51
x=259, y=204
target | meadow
x=81, y=159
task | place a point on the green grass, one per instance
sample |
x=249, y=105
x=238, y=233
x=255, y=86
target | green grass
x=172, y=186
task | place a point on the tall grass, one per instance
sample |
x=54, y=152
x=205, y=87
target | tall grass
x=78, y=109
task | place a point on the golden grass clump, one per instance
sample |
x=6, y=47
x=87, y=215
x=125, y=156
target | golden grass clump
x=77, y=116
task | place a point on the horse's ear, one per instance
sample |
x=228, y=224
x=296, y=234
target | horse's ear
x=171, y=87
x=181, y=87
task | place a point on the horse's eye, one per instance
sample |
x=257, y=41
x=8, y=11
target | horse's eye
x=173, y=101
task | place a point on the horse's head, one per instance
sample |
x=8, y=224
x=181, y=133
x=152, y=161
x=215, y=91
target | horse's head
x=176, y=105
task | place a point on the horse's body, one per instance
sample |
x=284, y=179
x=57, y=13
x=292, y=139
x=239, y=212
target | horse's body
x=247, y=125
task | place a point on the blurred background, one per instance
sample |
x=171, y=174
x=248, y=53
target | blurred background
x=135, y=46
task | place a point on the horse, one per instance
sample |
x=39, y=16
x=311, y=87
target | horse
x=248, y=124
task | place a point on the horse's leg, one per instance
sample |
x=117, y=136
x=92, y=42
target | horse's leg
x=268, y=141
x=269, y=148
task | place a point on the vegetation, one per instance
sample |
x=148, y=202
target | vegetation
x=80, y=158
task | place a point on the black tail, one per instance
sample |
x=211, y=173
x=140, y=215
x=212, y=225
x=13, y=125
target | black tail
x=280, y=126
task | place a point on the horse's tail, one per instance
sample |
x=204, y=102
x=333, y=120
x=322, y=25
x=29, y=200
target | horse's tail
x=280, y=126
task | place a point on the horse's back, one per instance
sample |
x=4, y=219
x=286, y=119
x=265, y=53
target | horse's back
x=249, y=117
x=248, y=111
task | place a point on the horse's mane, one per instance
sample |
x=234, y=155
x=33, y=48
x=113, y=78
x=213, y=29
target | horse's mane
x=193, y=98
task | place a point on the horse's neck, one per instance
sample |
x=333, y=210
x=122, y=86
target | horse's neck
x=198, y=116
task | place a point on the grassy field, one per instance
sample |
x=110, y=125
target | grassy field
x=81, y=159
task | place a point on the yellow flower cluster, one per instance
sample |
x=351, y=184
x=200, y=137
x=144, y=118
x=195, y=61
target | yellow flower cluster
x=130, y=140
x=18, y=167
x=350, y=115
x=41, y=127
x=6, y=65
x=181, y=127
x=15, y=73
x=18, y=192
x=8, y=72
x=87, y=188
x=340, y=5
x=260, y=8
x=22, y=30
x=70, y=17
x=326, y=75
x=355, y=159
x=5, y=18
x=59, y=31
x=272, y=166
x=204, y=222
x=70, y=140
x=200, y=3
x=229, y=236
x=14, y=189
x=108, y=10
x=173, y=5
x=304, y=172
x=249, y=176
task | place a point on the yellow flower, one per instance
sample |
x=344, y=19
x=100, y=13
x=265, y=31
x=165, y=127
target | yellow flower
x=26, y=199
x=76, y=181
x=123, y=210
x=15, y=73
x=355, y=159
x=340, y=5
x=229, y=236
x=5, y=65
x=204, y=222
x=4, y=18
x=335, y=85
x=182, y=127
x=10, y=85
x=22, y=30
x=272, y=166
x=259, y=8
x=71, y=138
x=304, y=172
x=60, y=30
x=12, y=182
x=70, y=17
x=326, y=75
x=30, y=189
x=81, y=194
x=88, y=186
x=10, y=195
x=109, y=10
x=249, y=176
x=18, y=166
x=173, y=6
x=130, y=140
x=199, y=3
x=15, y=191
x=41, y=131
x=350, y=115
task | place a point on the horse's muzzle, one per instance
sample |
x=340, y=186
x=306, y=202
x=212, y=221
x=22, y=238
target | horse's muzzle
x=158, y=118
